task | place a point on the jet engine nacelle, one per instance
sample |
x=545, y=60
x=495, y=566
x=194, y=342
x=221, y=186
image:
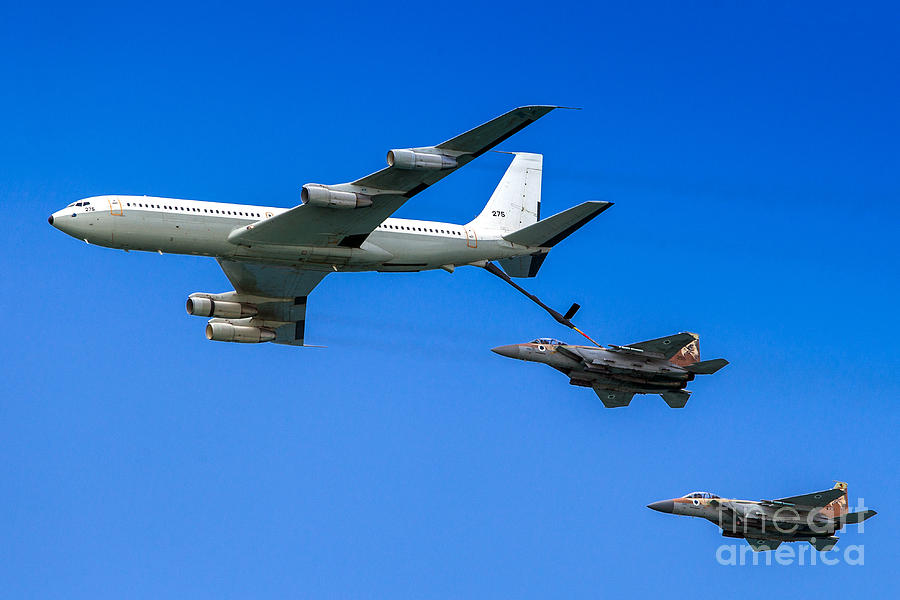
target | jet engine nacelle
x=205, y=307
x=319, y=195
x=244, y=334
x=410, y=159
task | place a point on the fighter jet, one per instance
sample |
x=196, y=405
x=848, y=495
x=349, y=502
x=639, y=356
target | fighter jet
x=812, y=518
x=662, y=366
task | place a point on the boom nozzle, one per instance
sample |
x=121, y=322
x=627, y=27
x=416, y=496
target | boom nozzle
x=562, y=319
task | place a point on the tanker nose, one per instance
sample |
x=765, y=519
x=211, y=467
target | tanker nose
x=50, y=219
x=511, y=351
x=663, y=506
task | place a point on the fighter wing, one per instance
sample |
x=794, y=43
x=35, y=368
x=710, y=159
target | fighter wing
x=279, y=294
x=386, y=190
x=668, y=346
x=612, y=398
x=814, y=500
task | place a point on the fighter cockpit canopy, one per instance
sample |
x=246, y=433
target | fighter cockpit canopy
x=547, y=341
x=701, y=495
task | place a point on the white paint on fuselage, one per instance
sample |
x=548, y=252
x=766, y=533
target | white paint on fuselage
x=201, y=228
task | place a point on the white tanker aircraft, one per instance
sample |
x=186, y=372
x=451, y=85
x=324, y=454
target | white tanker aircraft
x=274, y=257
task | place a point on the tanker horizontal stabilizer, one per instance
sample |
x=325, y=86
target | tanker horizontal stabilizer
x=555, y=229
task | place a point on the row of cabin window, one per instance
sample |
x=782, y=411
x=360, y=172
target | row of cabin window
x=425, y=230
x=193, y=209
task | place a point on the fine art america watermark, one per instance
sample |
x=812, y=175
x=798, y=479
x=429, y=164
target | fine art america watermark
x=799, y=553
x=795, y=550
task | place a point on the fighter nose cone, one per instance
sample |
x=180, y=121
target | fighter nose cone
x=665, y=506
x=50, y=219
x=511, y=351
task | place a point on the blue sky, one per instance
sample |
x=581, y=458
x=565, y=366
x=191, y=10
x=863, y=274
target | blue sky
x=752, y=156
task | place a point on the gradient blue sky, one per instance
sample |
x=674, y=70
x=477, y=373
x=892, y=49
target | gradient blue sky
x=752, y=156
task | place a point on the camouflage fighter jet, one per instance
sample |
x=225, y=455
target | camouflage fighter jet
x=662, y=366
x=812, y=518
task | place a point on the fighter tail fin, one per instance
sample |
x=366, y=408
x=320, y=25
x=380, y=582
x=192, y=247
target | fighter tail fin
x=689, y=354
x=516, y=202
x=838, y=507
x=831, y=503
